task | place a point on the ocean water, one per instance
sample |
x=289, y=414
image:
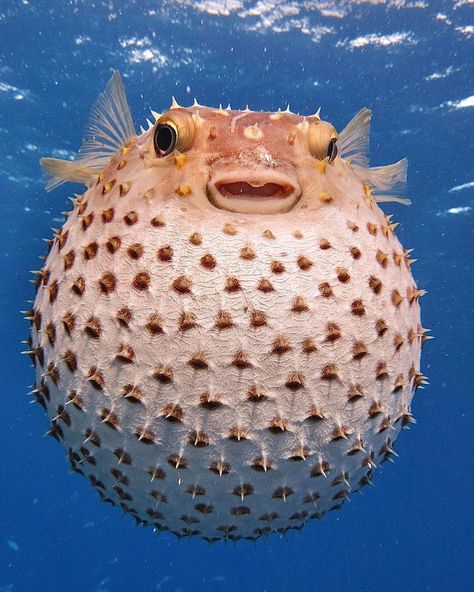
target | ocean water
x=411, y=62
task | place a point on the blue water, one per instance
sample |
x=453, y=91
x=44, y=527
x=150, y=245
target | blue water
x=412, y=64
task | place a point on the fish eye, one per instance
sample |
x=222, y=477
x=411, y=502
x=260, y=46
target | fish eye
x=332, y=149
x=164, y=139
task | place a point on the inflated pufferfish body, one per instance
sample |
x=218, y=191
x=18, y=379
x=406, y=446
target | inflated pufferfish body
x=226, y=332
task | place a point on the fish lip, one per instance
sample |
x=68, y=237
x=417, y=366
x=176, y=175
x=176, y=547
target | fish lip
x=280, y=191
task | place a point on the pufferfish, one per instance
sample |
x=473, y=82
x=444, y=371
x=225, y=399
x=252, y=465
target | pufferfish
x=226, y=331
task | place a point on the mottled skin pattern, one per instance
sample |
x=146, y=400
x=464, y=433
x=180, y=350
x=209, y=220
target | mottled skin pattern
x=218, y=373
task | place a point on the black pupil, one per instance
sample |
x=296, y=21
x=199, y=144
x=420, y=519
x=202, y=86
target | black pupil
x=165, y=139
x=332, y=149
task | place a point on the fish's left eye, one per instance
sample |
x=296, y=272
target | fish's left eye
x=332, y=149
x=164, y=139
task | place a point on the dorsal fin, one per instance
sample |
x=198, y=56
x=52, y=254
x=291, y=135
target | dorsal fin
x=353, y=142
x=108, y=127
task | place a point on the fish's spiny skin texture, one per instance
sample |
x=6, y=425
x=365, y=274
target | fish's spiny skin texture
x=218, y=373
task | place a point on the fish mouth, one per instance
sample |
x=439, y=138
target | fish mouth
x=267, y=192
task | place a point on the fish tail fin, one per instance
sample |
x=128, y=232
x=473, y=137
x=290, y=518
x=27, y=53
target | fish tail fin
x=108, y=127
x=353, y=142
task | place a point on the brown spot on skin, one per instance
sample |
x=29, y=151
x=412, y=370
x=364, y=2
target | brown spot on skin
x=397, y=259
x=132, y=394
x=198, y=361
x=125, y=354
x=76, y=400
x=165, y=253
x=69, y=260
x=333, y=332
x=329, y=372
x=93, y=328
x=295, y=381
x=70, y=359
x=261, y=464
x=398, y=341
x=381, y=327
x=241, y=360
x=324, y=197
x=372, y=228
x=220, y=467
x=375, y=284
x=187, y=321
x=50, y=332
x=411, y=335
x=121, y=164
x=382, y=258
x=107, y=283
x=232, y=285
x=301, y=453
x=243, y=490
x=358, y=308
x=359, y=350
x=120, y=477
x=352, y=226
x=124, y=316
x=237, y=434
x=278, y=425
x=298, y=234
x=229, y=229
x=63, y=415
x=223, y=320
x=130, y=218
x=277, y=267
x=304, y=263
x=204, y=508
x=340, y=432
x=177, y=461
x=256, y=394
x=240, y=511
x=355, y=252
x=325, y=290
x=53, y=373
x=135, y=251
x=299, y=304
x=69, y=322
x=93, y=438
x=247, y=253
x=282, y=493
x=145, y=436
x=268, y=234
x=172, y=413
x=79, y=286
x=107, y=187
x=90, y=251
x=375, y=409
x=324, y=244
x=156, y=473
x=124, y=188
x=398, y=384
x=61, y=238
x=385, y=424
x=154, y=325
x=208, y=261
x=265, y=286
x=309, y=346
x=87, y=221
x=343, y=275
x=198, y=439
x=141, y=281
x=158, y=221
x=281, y=345
x=182, y=285
x=96, y=378
x=355, y=393
x=195, y=490
x=413, y=294
x=53, y=291
x=195, y=239
x=314, y=414
x=210, y=401
x=381, y=371
x=396, y=298
x=123, y=457
x=164, y=374
x=113, y=244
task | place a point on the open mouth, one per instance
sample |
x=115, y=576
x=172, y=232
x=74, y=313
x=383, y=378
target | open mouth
x=244, y=190
x=269, y=193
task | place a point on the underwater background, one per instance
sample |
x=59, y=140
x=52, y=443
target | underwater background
x=412, y=64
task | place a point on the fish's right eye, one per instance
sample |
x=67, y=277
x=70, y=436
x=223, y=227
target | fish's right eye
x=164, y=139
